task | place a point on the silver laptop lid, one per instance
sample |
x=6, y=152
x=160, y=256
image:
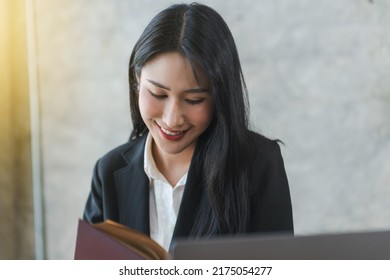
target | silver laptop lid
x=351, y=246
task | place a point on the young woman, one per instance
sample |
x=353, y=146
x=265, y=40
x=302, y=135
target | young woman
x=192, y=167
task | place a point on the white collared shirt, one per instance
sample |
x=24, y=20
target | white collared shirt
x=164, y=200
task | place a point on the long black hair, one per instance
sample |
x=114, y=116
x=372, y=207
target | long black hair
x=199, y=32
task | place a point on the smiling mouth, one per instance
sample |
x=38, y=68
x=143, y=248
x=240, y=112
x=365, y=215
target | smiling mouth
x=171, y=135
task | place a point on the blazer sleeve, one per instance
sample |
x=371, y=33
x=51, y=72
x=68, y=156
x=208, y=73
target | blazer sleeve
x=271, y=207
x=93, y=211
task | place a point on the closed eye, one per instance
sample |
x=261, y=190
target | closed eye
x=195, y=101
x=158, y=96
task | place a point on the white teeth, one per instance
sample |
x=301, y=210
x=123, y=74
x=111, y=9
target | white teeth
x=171, y=132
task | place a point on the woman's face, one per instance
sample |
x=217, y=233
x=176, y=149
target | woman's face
x=175, y=106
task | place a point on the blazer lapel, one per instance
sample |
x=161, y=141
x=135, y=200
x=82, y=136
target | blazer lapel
x=132, y=186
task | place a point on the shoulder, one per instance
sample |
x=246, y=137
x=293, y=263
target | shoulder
x=265, y=156
x=261, y=146
x=123, y=155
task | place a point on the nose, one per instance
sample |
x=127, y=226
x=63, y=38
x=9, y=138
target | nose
x=173, y=114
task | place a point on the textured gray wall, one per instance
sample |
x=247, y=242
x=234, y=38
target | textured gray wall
x=316, y=73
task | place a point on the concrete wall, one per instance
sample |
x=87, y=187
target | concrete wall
x=317, y=78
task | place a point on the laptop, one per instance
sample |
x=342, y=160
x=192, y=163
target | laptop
x=343, y=246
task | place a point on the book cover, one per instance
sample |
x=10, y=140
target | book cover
x=112, y=241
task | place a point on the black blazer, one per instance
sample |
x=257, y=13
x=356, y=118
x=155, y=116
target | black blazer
x=120, y=190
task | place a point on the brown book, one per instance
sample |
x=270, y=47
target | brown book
x=113, y=241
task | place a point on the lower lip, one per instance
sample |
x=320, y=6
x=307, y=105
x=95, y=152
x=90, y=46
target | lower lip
x=171, y=137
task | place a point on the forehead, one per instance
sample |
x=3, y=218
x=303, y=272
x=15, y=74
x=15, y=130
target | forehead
x=174, y=67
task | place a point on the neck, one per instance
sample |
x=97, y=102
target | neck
x=172, y=166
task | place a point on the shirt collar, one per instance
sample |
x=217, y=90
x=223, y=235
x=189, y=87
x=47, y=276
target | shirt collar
x=149, y=164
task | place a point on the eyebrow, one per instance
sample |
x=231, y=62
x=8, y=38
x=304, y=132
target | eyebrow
x=192, y=90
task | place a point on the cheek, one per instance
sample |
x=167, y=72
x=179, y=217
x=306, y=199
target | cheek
x=203, y=115
x=148, y=106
